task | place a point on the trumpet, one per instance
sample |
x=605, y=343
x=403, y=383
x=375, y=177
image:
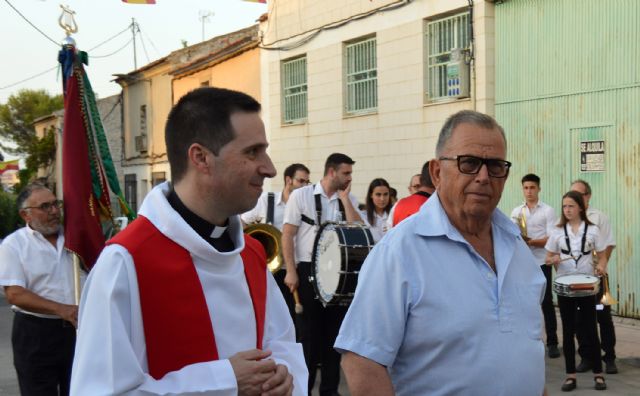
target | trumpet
x=522, y=223
x=607, y=298
x=269, y=237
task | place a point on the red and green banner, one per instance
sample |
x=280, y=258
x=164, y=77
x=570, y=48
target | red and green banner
x=9, y=165
x=87, y=167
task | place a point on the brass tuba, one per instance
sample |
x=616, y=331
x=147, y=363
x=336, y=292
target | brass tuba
x=269, y=237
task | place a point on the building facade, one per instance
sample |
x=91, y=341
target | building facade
x=568, y=95
x=375, y=80
x=150, y=91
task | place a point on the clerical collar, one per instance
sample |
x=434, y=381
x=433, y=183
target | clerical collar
x=216, y=236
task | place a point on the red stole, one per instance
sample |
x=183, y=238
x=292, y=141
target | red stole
x=177, y=326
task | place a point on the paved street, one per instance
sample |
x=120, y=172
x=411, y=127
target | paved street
x=626, y=383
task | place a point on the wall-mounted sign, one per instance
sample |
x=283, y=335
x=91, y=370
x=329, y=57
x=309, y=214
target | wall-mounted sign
x=592, y=156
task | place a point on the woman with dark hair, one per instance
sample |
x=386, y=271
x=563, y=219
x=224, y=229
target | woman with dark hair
x=570, y=250
x=377, y=207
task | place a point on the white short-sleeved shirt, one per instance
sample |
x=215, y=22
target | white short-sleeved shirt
x=427, y=304
x=379, y=226
x=600, y=219
x=302, y=202
x=259, y=213
x=557, y=242
x=28, y=260
x=541, y=221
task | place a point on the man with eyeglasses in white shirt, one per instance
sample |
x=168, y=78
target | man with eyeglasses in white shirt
x=37, y=275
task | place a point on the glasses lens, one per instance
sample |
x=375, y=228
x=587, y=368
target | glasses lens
x=47, y=206
x=468, y=164
x=497, y=168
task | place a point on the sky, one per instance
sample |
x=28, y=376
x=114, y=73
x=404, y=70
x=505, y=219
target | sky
x=164, y=25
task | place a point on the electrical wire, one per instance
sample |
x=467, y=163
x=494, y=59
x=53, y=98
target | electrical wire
x=150, y=41
x=111, y=38
x=113, y=53
x=32, y=25
x=29, y=78
x=311, y=34
x=55, y=67
x=144, y=47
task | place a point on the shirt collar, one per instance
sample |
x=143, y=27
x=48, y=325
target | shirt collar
x=317, y=189
x=201, y=226
x=432, y=220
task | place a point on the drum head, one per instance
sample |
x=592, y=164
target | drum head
x=576, y=278
x=328, y=261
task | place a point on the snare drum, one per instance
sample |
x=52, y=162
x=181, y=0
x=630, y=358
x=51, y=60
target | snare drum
x=576, y=285
x=338, y=253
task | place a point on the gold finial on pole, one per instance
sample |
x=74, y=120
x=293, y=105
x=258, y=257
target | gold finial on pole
x=68, y=23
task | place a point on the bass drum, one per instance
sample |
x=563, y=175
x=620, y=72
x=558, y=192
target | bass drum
x=338, y=253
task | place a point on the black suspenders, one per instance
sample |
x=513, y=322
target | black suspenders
x=584, y=242
x=271, y=203
x=318, y=207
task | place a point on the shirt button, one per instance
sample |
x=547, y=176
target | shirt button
x=489, y=275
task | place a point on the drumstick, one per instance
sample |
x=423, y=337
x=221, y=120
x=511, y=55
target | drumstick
x=296, y=298
x=561, y=260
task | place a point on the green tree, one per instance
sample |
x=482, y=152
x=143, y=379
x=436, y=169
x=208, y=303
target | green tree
x=16, y=126
x=9, y=218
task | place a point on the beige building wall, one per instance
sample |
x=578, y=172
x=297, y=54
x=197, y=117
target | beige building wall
x=240, y=73
x=400, y=136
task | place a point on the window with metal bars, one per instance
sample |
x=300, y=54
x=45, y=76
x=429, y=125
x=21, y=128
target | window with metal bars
x=442, y=36
x=294, y=90
x=361, y=76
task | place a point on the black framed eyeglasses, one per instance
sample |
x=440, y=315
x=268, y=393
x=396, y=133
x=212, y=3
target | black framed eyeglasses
x=471, y=165
x=47, y=206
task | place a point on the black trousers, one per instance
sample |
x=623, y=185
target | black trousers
x=607, y=335
x=548, y=310
x=42, y=354
x=579, y=312
x=319, y=328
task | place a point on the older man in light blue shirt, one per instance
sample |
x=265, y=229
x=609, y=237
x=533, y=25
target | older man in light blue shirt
x=448, y=303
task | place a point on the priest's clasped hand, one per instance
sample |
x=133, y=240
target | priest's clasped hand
x=257, y=375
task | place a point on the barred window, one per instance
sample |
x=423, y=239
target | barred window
x=361, y=76
x=294, y=90
x=442, y=36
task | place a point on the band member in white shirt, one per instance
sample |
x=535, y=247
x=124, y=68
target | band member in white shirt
x=570, y=249
x=539, y=219
x=307, y=209
x=377, y=207
x=607, y=330
x=270, y=210
x=270, y=206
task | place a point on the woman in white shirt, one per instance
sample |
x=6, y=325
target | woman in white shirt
x=377, y=208
x=569, y=250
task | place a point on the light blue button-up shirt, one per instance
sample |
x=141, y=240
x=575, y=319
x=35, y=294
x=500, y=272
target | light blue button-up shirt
x=430, y=309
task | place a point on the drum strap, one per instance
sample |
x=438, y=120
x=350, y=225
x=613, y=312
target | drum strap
x=271, y=202
x=584, y=242
x=318, y=198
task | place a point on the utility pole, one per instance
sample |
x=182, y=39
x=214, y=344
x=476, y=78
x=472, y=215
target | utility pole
x=204, y=16
x=133, y=32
